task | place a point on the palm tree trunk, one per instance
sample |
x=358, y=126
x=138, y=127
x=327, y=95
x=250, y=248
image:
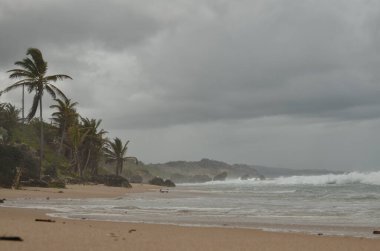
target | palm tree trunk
x=41, y=138
x=117, y=167
x=63, y=135
x=88, y=159
x=23, y=98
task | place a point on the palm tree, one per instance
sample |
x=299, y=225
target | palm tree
x=9, y=118
x=32, y=75
x=77, y=136
x=115, y=152
x=65, y=117
x=93, y=143
x=9, y=115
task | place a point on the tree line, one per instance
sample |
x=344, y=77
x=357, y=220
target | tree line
x=80, y=140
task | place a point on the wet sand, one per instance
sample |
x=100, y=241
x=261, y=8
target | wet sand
x=66, y=234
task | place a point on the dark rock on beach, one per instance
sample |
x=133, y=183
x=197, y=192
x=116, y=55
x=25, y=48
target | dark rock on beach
x=169, y=183
x=111, y=180
x=34, y=183
x=160, y=182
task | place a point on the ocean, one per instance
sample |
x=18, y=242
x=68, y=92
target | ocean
x=345, y=204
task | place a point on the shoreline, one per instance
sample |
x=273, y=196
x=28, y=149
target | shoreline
x=77, y=234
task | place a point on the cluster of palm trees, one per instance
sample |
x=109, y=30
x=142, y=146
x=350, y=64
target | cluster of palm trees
x=80, y=139
x=8, y=120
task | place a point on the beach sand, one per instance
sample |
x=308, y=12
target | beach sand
x=71, y=235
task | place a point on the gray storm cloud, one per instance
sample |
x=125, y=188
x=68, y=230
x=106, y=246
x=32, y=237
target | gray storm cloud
x=177, y=67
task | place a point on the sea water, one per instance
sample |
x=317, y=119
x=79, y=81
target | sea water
x=344, y=204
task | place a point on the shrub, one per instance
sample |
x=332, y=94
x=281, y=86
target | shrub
x=16, y=156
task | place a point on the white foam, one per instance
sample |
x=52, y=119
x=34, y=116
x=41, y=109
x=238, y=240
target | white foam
x=369, y=178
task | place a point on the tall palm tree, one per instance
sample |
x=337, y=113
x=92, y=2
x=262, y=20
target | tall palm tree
x=32, y=75
x=65, y=117
x=93, y=143
x=115, y=152
x=77, y=136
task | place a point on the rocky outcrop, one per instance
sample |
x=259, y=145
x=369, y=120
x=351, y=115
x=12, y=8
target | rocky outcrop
x=112, y=180
x=169, y=183
x=220, y=177
x=161, y=182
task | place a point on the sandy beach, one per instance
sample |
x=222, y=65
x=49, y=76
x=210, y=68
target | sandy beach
x=66, y=234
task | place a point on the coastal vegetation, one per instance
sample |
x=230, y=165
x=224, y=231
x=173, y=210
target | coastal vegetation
x=71, y=147
x=32, y=76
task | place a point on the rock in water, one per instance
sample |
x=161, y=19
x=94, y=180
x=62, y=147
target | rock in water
x=221, y=176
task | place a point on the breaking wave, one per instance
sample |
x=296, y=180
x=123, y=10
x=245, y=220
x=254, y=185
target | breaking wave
x=371, y=178
x=368, y=178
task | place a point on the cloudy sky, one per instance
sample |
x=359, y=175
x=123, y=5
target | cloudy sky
x=271, y=82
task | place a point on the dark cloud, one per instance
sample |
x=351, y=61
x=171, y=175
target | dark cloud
x=112, y=25
x=179, y=67
x=303, y=60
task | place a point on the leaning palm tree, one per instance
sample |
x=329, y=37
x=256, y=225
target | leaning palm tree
x=115, y=152
x=93, y=143
x=32, y=75
x=77, y=135
x=65, y=116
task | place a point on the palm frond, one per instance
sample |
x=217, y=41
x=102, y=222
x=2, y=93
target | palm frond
x=57, y=91
x=19, y=73
x=14, y=86
x=33, y=109
x=56, y=77
x=29, y=65
x=50, y=91
x=38, y=60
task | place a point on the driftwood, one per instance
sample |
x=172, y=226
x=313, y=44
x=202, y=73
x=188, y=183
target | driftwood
x=376, y=231
x=45, y=220
x=10, y=238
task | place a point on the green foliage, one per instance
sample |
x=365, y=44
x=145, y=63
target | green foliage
x=32, y=75
x=115, y=152
x=26, y=134
x=74, y=147
x=8, y=120
x=16, y=156
x=91, y=149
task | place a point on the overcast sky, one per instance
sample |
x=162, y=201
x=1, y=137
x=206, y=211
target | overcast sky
x=271, y=82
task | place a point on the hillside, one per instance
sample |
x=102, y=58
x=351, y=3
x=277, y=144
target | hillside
x=201, y=171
